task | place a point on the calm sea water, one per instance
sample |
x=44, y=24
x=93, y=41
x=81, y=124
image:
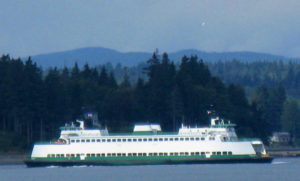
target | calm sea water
x=283, y=169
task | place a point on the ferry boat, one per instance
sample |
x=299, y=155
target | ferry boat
x=147, y=144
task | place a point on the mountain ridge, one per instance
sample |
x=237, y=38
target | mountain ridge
x=98, y=55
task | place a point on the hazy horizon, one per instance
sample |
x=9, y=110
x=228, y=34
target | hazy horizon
x=32, y=28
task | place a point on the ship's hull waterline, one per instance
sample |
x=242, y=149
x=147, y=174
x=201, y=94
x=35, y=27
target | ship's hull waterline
x=147, y=161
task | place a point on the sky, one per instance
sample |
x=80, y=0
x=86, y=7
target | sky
x=31, y=27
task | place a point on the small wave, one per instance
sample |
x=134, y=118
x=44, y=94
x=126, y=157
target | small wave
x=276, y=163
x=52, y=166
x=80, y=166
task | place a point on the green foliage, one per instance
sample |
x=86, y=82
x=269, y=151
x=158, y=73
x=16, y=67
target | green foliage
x=290, y=119
x=33, y=103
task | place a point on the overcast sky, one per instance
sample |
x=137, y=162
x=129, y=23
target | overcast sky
x=30, y=27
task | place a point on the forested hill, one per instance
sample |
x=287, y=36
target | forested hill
x=97, y=55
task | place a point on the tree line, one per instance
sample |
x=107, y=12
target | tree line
x=35, y=102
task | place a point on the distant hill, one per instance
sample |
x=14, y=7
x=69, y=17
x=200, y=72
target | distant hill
x=98, y=55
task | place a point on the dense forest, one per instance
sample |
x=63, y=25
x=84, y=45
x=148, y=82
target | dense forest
x=35, y=102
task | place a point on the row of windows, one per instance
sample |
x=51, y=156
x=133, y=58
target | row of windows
x=138, y=140
x=141, y=154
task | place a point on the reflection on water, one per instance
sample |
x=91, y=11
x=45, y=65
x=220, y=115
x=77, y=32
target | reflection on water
x=280, y=169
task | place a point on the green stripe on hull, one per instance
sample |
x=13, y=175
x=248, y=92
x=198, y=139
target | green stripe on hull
x=153, y=158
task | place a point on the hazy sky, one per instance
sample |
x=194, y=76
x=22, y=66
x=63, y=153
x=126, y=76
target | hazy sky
x=30, y=27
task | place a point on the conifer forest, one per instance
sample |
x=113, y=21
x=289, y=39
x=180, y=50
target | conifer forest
x=260, y=97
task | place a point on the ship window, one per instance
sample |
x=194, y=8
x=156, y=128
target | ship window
x=197, y=139
x=93, y=140
x=160, y=139
x=161, y=154
x=224, y=153
x=77, y=155
x=52, y=155
x=154, y=154
x=108, y=154
x=140, y=154
x=57, y=155
x=165, y=154
x=171, y=154
x=192, y=153
x=103, y=154
x=123, y=154
x=187, y=139
x=140, y=140
x=181, y=139
x=197, y=153
x=77, y=141
x=98, y=155
x=218, y=153
x=129, y=140
x=119, y=154
x=124, y=140
x=113, y=154
x=129, y=154
x=150, y=139
x=68, y=155
x=133, y=154
x=118, y=140
x=113, y=140
x=134, y=140
x=150, y=154
x=103, y=140
x=88, y=155
x=48, y=155
x=202, y=139
x=88, y=141
x=213, y=153
x=176, y=139
x=144, y=154
x=82, y=141
x=181, y=153
x=62, y=155
x=145, y=139
x=72, y=141
x=98, y=140
x=166, y=139
x=93, y=155
x=211, y=138
x=202, y=153
x=108, y=140
x=176, y=154
x=192, y=139
x=229, y=153
x=171, y=139
x=155, y=139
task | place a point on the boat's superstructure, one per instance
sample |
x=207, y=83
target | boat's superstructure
x=148, y=145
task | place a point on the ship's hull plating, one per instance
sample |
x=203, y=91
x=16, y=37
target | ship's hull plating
x=147, y=161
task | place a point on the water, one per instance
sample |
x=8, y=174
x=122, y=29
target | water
x=287, y=169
